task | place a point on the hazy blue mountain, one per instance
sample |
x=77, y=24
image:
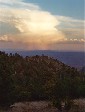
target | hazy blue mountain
x=83, y=69
x=75, y=59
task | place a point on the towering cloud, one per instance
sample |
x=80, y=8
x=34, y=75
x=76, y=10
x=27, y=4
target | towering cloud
x=34, y=28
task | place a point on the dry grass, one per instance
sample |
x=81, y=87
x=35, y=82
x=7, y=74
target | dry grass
x=44, y=106
x=79, y=106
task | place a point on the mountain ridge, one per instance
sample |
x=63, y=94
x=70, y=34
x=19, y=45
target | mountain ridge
x=73, y=59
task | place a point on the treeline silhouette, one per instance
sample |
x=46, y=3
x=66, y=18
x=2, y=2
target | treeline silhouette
x=38, y=78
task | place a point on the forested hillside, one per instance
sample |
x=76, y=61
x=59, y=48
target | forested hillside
x=38, y=78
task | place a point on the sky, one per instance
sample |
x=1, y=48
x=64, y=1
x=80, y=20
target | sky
x=42, y=25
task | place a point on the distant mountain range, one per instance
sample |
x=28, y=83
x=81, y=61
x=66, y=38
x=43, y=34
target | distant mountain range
x=74, y=59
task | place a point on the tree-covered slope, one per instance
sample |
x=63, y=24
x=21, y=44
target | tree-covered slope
x=37, y=78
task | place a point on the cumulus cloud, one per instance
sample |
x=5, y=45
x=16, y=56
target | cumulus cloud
x=4, y=38
x=73, y=33
x=28, y=24
x=73, y=29
x=69, y=22
x=33, y=24
x=6, y=28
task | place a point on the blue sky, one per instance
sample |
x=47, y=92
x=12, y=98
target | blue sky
x=42, y=25
x=72, y=8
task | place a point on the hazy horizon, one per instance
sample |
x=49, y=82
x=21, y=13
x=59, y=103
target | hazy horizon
x=22, y=50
